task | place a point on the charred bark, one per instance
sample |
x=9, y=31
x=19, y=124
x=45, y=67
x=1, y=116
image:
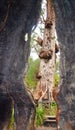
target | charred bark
x=65, y=25
x=16, y=20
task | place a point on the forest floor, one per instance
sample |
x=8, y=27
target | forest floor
x=46, y=128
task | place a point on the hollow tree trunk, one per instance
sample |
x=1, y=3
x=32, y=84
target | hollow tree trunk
x=65, y=26
x=16, y=20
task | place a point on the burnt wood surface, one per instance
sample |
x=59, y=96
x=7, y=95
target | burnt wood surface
x=17, y=18
x=65, y=26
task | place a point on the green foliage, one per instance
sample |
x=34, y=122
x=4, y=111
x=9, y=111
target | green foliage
x=50, y=109
x=42, y=111
x=30, y=78
x=57, y=78
x=53, y=109
x=11, y=123
x=57, y=75
x=40, y=115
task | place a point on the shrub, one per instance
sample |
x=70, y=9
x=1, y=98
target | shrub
x=40, y=114
x=30, y=78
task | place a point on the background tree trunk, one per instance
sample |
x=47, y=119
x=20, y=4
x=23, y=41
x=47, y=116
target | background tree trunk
x=16, y=21
x=47, y=57
x=65, y=26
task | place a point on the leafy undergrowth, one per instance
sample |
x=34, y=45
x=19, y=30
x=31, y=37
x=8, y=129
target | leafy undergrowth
x=30, y=78
x=42, y=111
x=40, y=115
x=11, y=123
x=51, y=109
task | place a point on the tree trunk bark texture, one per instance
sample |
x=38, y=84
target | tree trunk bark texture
x=17, y=17
x=47, y=57
x=47, y=65
x=65, y=26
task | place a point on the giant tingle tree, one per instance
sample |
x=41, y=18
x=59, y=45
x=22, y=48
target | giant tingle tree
x=17, y=17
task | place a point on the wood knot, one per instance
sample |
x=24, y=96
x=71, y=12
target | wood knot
x=38, y=76
x=40, y=41
x=48, y=24
x=46, y=54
